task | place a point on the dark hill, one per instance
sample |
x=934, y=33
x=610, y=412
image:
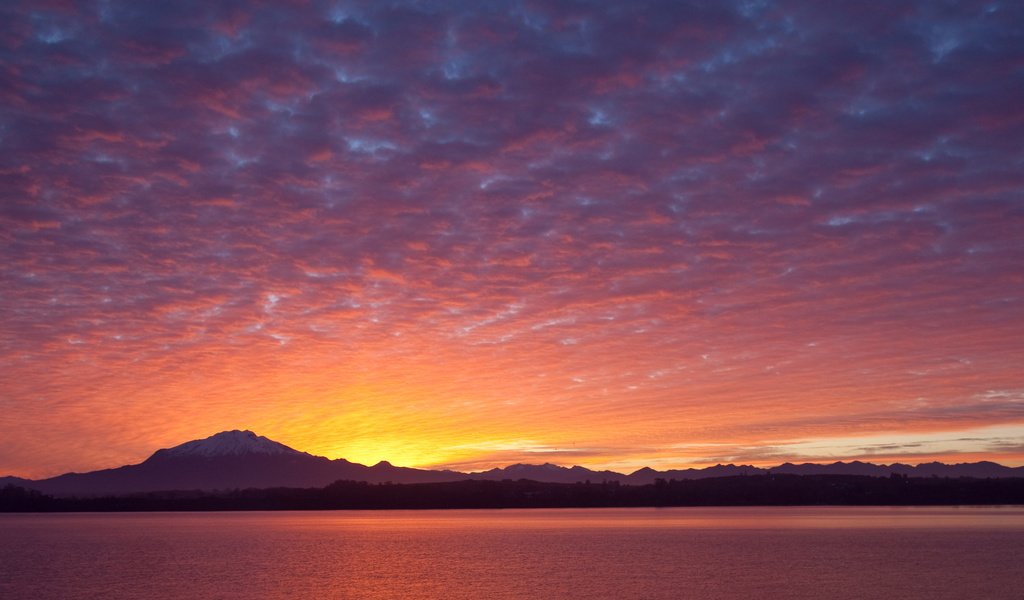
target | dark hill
x=241, y=459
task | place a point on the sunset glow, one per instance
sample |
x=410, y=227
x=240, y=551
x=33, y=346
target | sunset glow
x=467, y=235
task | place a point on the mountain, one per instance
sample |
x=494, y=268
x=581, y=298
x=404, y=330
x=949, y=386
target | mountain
x=643, y=477
x=230, y=443
x=15, y=481
x=228, y=460
x=241, y=459
x=548, y=473
x=980, y=470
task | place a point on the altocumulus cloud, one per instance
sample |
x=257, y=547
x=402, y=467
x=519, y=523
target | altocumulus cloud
x=381, y=230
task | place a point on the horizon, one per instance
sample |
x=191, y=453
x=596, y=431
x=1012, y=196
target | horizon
x=765, y=466
x=461, y=236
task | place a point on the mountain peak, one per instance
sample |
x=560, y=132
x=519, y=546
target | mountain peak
x=230, y=443
x=528, y=468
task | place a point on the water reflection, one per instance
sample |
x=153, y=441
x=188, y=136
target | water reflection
x=699, y=553
x=790, y=517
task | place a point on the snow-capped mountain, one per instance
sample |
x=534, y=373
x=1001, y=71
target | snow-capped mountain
x=226, y=461
x=241, y=459
x=230, y=443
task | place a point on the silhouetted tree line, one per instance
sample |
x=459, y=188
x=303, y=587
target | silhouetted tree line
x=756, y=490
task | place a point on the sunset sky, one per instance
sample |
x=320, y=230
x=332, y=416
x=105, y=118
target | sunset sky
x=468, y=234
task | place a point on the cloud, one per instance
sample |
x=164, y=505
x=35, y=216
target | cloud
x=806, y=222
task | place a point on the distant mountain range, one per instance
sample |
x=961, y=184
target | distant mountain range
x=242, y=459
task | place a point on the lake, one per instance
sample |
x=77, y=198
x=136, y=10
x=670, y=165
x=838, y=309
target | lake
x=693, y=553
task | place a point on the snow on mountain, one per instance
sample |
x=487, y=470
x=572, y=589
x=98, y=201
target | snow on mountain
x=230, y=443
x=242, y=459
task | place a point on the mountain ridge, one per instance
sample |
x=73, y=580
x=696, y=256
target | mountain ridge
x=240, y=459
x=233, y=442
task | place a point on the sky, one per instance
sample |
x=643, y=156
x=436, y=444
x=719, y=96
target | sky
x=470, y=234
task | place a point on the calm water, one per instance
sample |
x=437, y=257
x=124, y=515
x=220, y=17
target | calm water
x=699, y=553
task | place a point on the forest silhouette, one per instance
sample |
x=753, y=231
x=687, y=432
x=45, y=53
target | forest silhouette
x=759, y=490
